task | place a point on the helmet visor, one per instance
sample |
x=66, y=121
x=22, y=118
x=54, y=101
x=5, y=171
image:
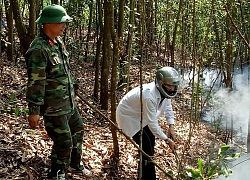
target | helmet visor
x=167, y=90
x=170, y=89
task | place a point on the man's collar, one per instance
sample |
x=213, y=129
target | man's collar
x=47, y=38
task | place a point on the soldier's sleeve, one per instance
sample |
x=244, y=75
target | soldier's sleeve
x=36, y=66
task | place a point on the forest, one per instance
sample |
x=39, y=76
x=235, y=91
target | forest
x=116, y=45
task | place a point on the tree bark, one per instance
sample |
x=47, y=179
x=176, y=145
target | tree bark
x=25, y=38
x=54, y=1
x=113, y=86
x=120, y=42
x=98, y=48
x=172, y=47
x=9, y=16
x=89, y=28
x=106, y=60
x=129, y=42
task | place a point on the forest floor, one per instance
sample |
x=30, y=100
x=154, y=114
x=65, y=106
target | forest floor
x=24, y=153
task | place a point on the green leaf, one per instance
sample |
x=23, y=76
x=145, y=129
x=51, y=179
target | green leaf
x=12, y=96
x=233, y=156
x=171, y=172
x=226, y=170
x=195, y=174
x=183, y=176
x=236, y=155
x=32, y=130
x=223, y=149
x=211, y=171
x=25, y=111
x=200, y=166
x=12, y=100
x=17, y=112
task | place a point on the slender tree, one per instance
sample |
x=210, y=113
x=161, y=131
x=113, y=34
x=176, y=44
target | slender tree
x=129, y=50
x=142, y=39
x=9, y=16
x=120, y=30
x=24, y=37
x=98, y=47
x=1, y=61
x=104, y=98
x=115, y=58
x=91, y=4
x=172, y=47
x=1, y=17
x=54, y=2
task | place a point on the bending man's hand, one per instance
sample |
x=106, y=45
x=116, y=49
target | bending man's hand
x=171, y=133
x=172, y=145
x=33, y=120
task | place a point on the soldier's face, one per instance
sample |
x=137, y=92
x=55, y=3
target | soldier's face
x=56, y=29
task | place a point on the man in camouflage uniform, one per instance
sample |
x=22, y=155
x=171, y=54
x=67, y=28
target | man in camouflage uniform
x=51, y=91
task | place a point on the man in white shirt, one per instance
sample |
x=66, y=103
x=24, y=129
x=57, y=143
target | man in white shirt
x=155, y=102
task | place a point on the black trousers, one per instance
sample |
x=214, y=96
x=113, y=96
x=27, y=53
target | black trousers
x=148, y=142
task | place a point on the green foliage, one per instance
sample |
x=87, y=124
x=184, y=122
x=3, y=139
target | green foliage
x=13, y=108
x=211, y=169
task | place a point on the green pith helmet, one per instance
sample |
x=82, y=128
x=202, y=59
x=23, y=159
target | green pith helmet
x=53, y=14
x=167, y=75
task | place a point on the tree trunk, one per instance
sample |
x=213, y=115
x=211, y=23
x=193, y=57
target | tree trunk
x=9, y=16
x=172, y=48
x=129, y=42
x=33, y=4
x=228, y=54
x=98, y=48
x=89, y=29
x=142, y=34
x=97, y=68
x=25, y=39
x=113, y=86
x=120, y=43
x=167, y=32
x=106, y=59
x=218, y=39
x=248, y=134
x=54, y=1
x=1, y=17
x=1, y=61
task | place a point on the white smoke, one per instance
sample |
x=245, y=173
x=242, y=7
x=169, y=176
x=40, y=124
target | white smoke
x=233, y=106
x=230, y=107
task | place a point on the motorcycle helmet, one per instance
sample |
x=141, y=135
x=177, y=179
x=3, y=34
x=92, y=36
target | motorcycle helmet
x=167, y=76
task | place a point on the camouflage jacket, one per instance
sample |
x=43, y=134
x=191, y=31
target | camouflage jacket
x=50, y=89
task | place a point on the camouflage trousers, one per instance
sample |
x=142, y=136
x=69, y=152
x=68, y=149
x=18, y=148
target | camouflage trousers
x=66, y=132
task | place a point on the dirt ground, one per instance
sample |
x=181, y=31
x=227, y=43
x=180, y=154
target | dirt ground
x=24, y=153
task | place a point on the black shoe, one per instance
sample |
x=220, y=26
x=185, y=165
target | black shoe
x=56, y=176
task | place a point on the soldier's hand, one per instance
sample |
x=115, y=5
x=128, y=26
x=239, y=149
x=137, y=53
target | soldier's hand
x=171, y=132
x=33, y=120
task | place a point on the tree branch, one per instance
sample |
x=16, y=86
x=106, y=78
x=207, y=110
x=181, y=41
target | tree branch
x=236, y=28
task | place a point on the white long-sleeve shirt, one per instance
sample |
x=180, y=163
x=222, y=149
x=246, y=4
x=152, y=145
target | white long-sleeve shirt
x=128, y=112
